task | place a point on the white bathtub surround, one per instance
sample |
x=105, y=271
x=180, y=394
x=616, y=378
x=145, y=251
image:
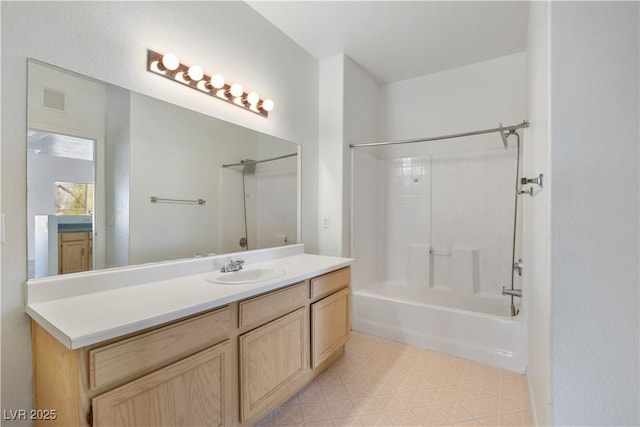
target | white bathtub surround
x=83, y=309
x=461, y=203
x=465, y=269
x=498, y=341
x=419, y=266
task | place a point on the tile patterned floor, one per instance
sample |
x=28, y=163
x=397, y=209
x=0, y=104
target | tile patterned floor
x=383, y=383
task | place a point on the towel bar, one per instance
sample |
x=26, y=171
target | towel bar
x=155, y=199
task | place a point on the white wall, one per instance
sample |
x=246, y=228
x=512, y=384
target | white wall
x=360, y=125
x=108, y=41
x=594, y=213
x=84, y=106
x=367, y=211
x=537, y=217
x=174, y=154
x=348, y=99
x=117, y=173
x=477, y=96
x=331, y=156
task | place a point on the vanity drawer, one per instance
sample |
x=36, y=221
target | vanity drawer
x=330, y=282
x=265, y=307
x=151, y=350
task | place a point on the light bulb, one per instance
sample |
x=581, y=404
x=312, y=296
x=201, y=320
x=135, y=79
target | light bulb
x=253, y=98
x=203, y=85
x=221, y=93
x=156, y=67
x=195, y=73
x=217, y=81
x=170, y=62
x=182, y=77
x=267, y=105
x=236, y=90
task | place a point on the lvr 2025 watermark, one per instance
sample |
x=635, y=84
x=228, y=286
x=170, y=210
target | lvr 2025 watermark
x=29, y=414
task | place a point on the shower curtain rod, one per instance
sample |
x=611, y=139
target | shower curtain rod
x=253, y=162
x=524, y=124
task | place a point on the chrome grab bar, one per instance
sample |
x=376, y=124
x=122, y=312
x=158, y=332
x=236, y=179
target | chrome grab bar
x=442, y=253
x=512, y=292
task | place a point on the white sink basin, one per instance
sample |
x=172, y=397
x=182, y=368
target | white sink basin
x=251, y=275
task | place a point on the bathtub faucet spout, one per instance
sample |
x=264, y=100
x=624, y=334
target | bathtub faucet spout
x=512, y=292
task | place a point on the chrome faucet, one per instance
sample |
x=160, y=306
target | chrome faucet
x=232, y=266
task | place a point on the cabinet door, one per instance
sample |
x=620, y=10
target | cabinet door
x=330, y=325
x=195, y=391
x=271, y=356
x=74, y=252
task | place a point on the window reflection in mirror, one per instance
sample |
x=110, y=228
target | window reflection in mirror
x=144, y=148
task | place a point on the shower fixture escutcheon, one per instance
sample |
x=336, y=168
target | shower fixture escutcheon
x=536, y=181
x=517, y=266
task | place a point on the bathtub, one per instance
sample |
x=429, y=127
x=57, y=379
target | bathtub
x=485, y=337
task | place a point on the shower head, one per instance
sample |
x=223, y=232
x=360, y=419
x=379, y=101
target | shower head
x=504, y=136
x=249, y=167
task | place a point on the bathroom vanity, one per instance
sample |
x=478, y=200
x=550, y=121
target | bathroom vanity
x=183, y=350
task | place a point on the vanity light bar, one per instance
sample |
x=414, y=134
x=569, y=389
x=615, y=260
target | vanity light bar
x=169, y=66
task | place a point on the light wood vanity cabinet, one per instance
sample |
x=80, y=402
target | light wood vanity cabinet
x=229, y=366
x=263, y=308
x=75, y=251
x=191, y=392
x=271, y=356
x=330, y=325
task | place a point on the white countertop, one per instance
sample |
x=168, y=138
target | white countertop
x=81, y=319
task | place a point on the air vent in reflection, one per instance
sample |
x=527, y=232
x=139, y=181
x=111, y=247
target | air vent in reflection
x=53, y=99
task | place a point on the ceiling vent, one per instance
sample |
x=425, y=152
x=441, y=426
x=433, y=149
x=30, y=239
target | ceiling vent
x=53, y=99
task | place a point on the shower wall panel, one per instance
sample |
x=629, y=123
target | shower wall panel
x=458, y=204
x=366, y=245
x=472, y=204
x=277, y=206
x=407, y=213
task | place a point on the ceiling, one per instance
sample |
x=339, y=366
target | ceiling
x=398, y=40
x=51, y=144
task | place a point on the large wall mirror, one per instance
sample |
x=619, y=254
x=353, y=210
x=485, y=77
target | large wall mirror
x=117, y=178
